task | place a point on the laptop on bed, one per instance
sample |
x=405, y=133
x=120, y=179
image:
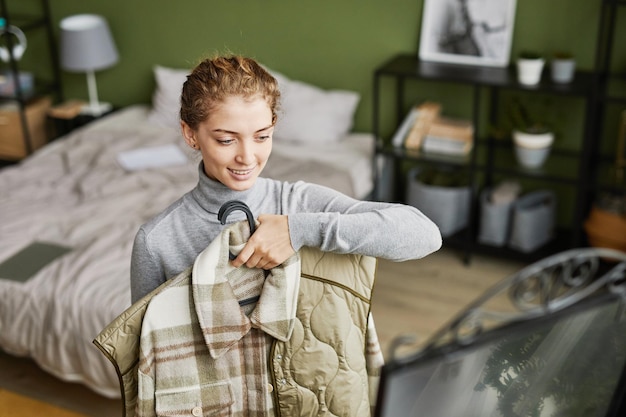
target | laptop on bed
x=565, y=363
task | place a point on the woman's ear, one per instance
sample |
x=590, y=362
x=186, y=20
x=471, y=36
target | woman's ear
x=189, y=135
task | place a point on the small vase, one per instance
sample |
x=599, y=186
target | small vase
x=529, y=70
x=562, y=70
x=533, y=140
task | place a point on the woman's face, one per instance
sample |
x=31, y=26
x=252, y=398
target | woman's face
x=235, y=141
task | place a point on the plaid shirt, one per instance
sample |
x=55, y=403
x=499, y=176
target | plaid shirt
x=201, y=352
x=199, y=346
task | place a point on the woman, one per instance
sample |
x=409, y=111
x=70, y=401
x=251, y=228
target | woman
x=228, y=112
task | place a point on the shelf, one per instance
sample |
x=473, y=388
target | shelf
x=560, y=242
x=42, y=88
x=575, y=175
x=561, y=166
x=408, y=66
x=25, y=22
x=420, y=156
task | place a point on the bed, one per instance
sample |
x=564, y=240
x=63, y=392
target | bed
x=69, y=213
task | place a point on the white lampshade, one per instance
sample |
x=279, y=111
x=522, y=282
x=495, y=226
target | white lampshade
x=87, y=46
x=86, y=43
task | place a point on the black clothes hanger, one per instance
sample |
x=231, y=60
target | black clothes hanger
x=230, y=206
x=222, y=214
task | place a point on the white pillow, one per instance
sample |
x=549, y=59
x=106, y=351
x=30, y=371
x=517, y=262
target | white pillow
x=308, y=113
x=311, y=114
x=166, y=97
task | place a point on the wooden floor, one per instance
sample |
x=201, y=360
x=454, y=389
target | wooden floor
x=416, y=297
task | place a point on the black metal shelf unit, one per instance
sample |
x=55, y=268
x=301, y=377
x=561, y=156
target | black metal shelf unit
x=490, y=157
x=29, y=23
x=587, y=171
x=611, y=94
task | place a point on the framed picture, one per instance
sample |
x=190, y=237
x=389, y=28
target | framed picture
x=473, y=32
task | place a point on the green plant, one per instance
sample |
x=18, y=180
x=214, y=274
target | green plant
x=562, y=55
x=613, y=203
x=528, y=54
x=522, y=120
x=442, y=177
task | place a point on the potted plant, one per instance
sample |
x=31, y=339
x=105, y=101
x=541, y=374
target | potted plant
x=529, y=67
x=606, y=223
x=532, y=138
x=562, y=67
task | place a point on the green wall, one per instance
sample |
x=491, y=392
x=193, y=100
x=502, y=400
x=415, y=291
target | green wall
x=330, y=43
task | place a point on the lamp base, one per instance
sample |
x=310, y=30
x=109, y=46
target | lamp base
x=96, y=110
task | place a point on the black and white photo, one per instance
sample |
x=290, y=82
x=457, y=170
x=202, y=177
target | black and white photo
x=474, y=32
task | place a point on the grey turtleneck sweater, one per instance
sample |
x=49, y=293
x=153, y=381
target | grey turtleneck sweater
x=318, y=217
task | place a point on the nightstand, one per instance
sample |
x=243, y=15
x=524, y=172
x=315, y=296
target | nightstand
x=13, y=145
x=67, y=116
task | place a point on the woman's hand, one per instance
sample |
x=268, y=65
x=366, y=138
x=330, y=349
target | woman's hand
x=269, y=246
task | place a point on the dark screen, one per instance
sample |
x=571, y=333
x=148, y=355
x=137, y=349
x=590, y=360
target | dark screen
x=568, y=364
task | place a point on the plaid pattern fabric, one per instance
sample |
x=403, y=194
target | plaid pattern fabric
x=200, y=352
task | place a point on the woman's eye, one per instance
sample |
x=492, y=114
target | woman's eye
x=225, y=141
x=263, y=138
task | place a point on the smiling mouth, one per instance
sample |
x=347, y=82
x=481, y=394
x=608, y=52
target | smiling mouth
x=241, y=172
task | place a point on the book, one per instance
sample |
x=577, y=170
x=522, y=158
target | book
x=446, y=146
x=449, y=136
x=447, y=127
x=427, y=112
x=67, y=110
x=29, y=260
x=398, y=138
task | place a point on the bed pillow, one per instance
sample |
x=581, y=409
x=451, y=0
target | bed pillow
x=308, y=113
x=166, y=97
x=312, y=115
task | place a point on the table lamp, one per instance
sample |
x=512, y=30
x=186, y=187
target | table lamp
x=87, y=46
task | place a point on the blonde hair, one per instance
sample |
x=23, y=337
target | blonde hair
x=215, y=79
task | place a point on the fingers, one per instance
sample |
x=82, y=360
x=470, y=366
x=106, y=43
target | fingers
x=269, y=246
x=255, y=259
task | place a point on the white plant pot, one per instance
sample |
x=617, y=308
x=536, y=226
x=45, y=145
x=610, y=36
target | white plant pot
x=533, y=140
x=531, y=157
x=532, y=150
x=529, y=70
x=562, y=70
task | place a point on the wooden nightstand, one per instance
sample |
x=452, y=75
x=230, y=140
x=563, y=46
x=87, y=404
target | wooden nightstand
x=67, y=116
x=12, y=137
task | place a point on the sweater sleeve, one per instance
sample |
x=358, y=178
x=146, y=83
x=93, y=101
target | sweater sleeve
x=145, y=272
x=326, y=219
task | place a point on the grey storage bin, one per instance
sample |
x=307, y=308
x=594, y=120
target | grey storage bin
x=495, y=220
x=533, y=220
x=447, y=207
x=385, y=186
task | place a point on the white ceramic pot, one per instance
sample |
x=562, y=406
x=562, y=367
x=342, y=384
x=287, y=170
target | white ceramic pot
x=562, y=70
x=531, y=157
x=532, y=149
x=529, y=70
x=533, y=140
